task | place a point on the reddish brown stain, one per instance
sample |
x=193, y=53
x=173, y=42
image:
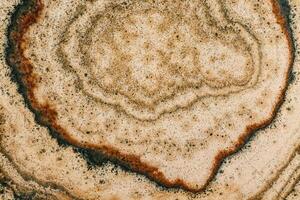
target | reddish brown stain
x=49, y=115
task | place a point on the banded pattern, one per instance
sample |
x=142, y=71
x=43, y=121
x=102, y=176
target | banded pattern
x=94, y=81
x=160, y=88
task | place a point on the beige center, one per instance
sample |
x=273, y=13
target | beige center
x=150, y=58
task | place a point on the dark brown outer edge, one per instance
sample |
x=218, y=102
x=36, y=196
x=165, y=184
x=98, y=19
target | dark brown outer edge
x=48, y=115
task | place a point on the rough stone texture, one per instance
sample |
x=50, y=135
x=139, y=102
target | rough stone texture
x=113, y=100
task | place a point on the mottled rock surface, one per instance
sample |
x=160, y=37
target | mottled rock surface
x=133, y=99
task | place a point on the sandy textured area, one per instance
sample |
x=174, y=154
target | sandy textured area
x=133, y=99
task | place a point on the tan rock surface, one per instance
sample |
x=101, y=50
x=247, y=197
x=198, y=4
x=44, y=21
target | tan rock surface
x=165, y=117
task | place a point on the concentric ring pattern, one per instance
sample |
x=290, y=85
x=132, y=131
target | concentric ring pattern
x=187, y=99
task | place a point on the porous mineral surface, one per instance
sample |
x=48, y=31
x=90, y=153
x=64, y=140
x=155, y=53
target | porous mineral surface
x=149, y=99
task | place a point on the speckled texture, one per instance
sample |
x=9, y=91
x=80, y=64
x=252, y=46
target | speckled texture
x=165, y=128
